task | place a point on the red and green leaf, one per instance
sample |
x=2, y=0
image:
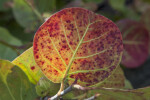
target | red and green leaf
x=135, y=40
x=80, y=44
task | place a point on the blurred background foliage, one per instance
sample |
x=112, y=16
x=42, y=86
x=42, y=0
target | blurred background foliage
x=19, y=20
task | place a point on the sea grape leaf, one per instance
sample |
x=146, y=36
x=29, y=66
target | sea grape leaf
x=26, y=62
x=80, y=44
x=18, y=31
x=43, y=86
x=14, y=84
x=135, y=40
x=5, y=51
x=24, y=15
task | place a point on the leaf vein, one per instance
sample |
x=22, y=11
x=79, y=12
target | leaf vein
x=64, y=31
x=95, y=38
x=91, y=55
x=77, y=28
x=72, y=58
x=58, y=52
x=52, y=65
x=85, y=71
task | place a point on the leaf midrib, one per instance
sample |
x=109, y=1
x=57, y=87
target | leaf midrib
x=74, y=53
x=10, y=92
x=80, y=42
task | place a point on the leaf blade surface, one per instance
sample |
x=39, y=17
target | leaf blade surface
x=67, y=42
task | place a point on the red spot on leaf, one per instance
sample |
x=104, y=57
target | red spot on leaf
x=33, y=67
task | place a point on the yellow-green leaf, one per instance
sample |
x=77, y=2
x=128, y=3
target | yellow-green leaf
x=26, y=62
x=14, y=84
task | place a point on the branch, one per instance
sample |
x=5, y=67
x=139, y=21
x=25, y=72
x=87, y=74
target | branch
x=93, y=97
x=10, y=46
x=61, y=93
x=76, y=86
x=15, y=48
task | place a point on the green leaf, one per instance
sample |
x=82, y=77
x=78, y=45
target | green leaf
x=46, y=88
x=17, y=31
x=24, y=14
x=14, y=84
x=77, y=43
x=26, y=62
x=117, y=4
x=45, y=5
x=6, y=52
x=128, y=84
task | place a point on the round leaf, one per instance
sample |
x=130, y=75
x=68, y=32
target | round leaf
x=24, y=15
x=80, y=44
x=135, y=40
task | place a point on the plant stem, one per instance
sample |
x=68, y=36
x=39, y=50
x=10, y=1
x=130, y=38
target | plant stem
x=76, y=86
x=93, y=97
x=10, y=46
x=61, y=93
